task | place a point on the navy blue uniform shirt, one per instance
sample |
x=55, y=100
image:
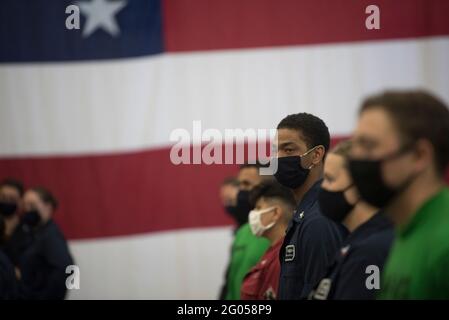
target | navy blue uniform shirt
x=347, y=277
x=309, y=247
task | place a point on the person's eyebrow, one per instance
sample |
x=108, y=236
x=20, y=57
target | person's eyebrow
x=365, y=140
x=287, y=144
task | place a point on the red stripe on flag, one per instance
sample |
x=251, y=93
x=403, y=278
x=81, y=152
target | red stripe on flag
x=129, y=193
x=218, y=24
x=112, y=195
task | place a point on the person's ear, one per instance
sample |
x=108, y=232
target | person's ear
x=424, y=155
x=318, y=155
x=277, y=213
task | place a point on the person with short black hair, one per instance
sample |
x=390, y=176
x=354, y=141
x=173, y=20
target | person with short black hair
x=273, y=208
x=399, y=154
x=42, y=266
x=311, y=239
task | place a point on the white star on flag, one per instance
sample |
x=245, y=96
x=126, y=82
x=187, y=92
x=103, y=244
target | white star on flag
x=101, y=14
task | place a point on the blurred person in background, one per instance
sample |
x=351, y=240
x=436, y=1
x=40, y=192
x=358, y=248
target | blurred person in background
x=228, y=196
x=311, y=239
x=247, y=249
x=11, y=192
x=8, y=281
x=371, y=233
x=17, y=238
x=399, y=155
x=43, y=264
x=273, y=208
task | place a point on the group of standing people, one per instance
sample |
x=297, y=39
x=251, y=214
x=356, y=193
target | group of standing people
x=367, y=219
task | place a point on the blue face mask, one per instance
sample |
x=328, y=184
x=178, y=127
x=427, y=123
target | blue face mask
x=290, y=173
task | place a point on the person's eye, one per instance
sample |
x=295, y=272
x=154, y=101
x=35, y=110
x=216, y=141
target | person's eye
x=367, y=145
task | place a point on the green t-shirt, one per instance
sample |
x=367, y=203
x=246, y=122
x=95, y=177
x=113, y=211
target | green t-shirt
x=418, y=265
x=247, y=250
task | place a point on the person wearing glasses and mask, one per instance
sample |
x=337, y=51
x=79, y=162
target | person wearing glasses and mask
x=355, y=272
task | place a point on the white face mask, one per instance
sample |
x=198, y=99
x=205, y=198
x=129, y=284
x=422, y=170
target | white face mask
x=255, y=223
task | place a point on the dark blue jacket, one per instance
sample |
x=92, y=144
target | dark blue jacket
x=43, y=264
x=8, y=282
x=346, y=278
x=309, y=247
x=16, y=245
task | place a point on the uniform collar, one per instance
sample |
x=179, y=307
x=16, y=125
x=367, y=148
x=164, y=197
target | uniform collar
x=375, y=223
x=309, y=199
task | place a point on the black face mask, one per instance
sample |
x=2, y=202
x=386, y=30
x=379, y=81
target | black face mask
x=290, y=172
x=367, y=177
x=243, y=207
x=333, y=204
x=7, y=209
x=234, y=213
x=31, y=218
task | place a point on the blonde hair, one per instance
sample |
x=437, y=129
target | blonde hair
x=342, y=148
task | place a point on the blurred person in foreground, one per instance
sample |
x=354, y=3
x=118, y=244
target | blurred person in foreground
x=399, y=155
x=273, y=208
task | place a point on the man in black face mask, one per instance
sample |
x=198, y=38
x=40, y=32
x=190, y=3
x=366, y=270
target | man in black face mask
x=43, y=264
x=370, y=239
x=247, y=249
x=399, y=156
x=311, y=239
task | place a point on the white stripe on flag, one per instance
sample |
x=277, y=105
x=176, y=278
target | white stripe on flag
x=121, y=105
x=188, y=264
